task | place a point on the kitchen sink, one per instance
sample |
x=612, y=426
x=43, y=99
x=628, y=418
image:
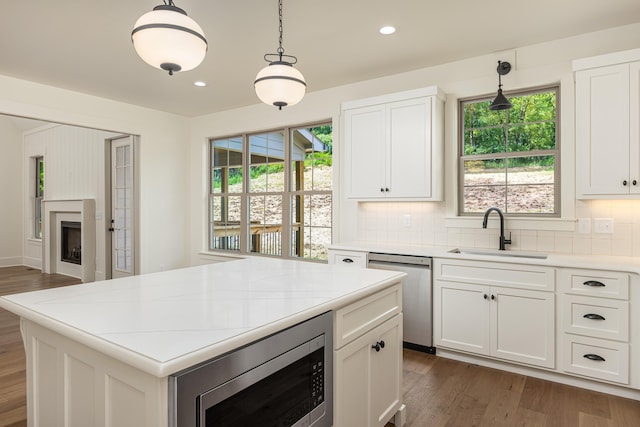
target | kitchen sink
x=497, y=253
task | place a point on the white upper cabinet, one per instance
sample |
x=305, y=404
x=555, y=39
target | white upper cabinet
x=608, y=125
x=393, y=146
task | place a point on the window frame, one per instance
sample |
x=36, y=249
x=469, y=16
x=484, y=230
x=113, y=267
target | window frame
x=38, y=196
x=287, y=194
x=506, y=155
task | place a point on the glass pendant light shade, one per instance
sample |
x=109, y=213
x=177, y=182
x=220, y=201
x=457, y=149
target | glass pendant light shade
x=166, y=38
x=280, y=84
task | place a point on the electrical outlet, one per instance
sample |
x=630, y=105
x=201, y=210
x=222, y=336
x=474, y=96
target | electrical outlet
x=603, y=225
x=406, y=220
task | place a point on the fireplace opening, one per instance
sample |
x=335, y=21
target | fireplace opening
x=71, y=250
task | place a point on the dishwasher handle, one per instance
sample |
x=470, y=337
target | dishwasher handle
x=381, y=258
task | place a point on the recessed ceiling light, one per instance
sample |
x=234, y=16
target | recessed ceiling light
x=200, y=84
x=387, y=29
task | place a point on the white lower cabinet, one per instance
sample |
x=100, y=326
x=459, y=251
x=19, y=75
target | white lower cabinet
x=368, y=362
x=596, y=327
x=511, y=324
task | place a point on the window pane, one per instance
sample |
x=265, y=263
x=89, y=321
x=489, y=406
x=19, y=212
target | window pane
x=536, y=136
x=484, y=141
x=266, y=162
x=226, y=173
x=531, y=185
x=478, y=115
x=265, y=224
x=536, y=107
x=311, y=159
x=224, y=222
x=484, y=185
x=311, y=227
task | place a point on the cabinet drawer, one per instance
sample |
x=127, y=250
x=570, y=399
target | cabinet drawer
x=508, y=275
x=599, y=317
x=596, y=358
x=608, y=284
x=348, y=258
x=358, y=318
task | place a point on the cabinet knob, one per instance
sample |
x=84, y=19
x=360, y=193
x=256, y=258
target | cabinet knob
x=634, y=182
x=386, y=190
x=485, y=296
x=624, y=182
x=378, y=346
x=347, y=260
x=594, y=357
x=493, y=297
x=381, y=190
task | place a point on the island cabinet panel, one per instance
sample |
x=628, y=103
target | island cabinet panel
x=368, y=361
x=393, y=146
x=490, y=309
x=369, y=380
x=69, y=384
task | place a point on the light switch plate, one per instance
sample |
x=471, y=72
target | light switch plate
x=406, y=220
x=584, y=225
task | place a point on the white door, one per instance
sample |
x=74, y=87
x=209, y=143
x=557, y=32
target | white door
x=122, y=208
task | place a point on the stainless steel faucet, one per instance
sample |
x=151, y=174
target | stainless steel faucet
x=503, y=241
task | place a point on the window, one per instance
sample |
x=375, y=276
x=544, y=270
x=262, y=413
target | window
x=510, y=158
x=282, y=205
x=38, y=196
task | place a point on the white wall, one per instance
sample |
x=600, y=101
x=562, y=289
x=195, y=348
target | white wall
x=163, y=158
x=435, y=223
x=10, y=193
x=74, y=159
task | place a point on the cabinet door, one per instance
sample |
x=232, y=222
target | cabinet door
x=365, y=152
x=369, y=381
x=461, y=316
x=602, y=131
x=522, y=326
x=386, y=372
x=409, y=134
x=634, y=127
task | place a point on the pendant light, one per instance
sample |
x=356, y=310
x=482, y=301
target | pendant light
x=279, y=83
x=166, y=38
x=501, y=102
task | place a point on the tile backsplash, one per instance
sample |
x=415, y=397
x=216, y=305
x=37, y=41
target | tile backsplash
x=424, y=223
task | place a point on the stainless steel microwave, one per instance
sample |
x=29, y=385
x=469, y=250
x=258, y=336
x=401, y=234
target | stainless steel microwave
x=284, y=380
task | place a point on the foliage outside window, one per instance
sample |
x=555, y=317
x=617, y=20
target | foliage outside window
x=38, y=196
x=510, y=158
x=282, y=206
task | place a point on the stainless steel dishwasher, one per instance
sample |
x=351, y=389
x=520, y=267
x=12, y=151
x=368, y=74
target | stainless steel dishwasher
x=416, y=296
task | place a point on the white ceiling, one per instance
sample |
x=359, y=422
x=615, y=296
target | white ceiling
x=85, y=45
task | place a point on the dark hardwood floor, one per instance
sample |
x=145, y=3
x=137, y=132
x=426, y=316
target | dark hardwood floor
x=437, y=391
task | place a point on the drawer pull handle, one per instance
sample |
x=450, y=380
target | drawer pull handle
x=347, y=260
x=594, y=284
x=378, y=346
x=593, y=316
x=594, y=357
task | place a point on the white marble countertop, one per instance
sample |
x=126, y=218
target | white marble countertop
x=164, y=322
x=618, y=263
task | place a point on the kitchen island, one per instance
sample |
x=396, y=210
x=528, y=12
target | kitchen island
x=101, y=353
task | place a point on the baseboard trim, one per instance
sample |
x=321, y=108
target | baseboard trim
x=11, y=261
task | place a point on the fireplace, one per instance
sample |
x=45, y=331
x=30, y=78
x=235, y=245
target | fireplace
x=71, y=242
